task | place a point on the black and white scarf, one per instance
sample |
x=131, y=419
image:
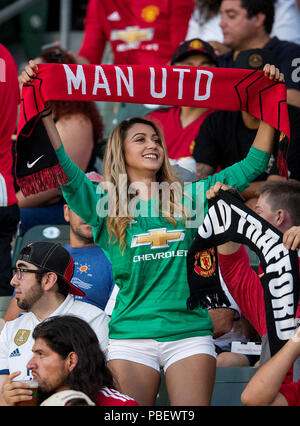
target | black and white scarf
x=228, y=219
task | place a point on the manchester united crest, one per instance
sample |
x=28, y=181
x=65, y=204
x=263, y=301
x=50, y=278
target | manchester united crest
x=21, y=337
x=281, y=137
x=196, y=44
x=150, y=13
x=192, y=146
x=205, y=263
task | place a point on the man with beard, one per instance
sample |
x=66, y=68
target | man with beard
x=42, y=283
x=65, y=355
x=92, y=269
x=247, y=24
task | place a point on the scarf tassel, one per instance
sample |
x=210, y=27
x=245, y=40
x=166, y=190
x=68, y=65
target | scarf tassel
x=43, y=180
x=208, y=299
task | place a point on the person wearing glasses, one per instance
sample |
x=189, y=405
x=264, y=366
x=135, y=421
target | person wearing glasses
x=42, y=283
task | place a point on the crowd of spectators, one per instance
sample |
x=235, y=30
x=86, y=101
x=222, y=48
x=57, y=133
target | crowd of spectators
x=88, y=321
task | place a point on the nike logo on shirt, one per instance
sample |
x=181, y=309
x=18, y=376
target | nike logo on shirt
x=30, y=165
x=114, y=16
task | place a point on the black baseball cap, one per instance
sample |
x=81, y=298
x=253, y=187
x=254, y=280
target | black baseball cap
x=255, y=59
x=195, y=45
x=54, y=258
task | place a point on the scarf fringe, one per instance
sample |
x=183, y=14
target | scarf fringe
x=210, y=299
x=43, y=180
x=282, y=156
x=282, y=165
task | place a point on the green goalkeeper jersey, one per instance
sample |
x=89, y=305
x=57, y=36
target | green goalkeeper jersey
x=151, y=272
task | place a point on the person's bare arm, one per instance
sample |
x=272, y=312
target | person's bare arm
x=291, y=238
x=3, y=378
x=219, y=48
x=81, y=60
x=264, y=387
x=222, y=319
x=203, y=170
x=13, y=311
x=252, y=189
x=293, y=97
x=48, y=197
x=76, y=133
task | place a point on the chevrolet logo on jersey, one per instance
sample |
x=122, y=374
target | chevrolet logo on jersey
x=132, y=34
x=157, y=238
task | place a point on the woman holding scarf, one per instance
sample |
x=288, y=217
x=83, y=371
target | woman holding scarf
x=146, y=233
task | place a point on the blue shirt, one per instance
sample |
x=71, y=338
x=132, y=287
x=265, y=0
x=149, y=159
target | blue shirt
x=92, y=274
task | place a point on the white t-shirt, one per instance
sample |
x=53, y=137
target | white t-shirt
x=286, y=24
x=16, y=340
x=287, y=21
x=207, y=31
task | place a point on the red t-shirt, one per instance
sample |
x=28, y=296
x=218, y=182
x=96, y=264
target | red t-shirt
x=180, y=140
x=139, y=31
x=9, y=100
x=245, y=287
x=291, y=392
x=110, y=397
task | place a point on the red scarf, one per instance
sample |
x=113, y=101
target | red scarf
x=217, y=88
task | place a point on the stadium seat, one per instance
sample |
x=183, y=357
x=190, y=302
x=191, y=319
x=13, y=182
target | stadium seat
x=253, y=258
x=229, y=385
x=54, y=233
x=4, y=303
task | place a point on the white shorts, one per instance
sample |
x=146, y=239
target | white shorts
x=159, y=354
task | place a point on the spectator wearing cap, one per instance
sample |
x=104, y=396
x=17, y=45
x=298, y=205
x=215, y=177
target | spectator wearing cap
x=226, y=136
x=181, y=124
x=42, y=283
x=247, y=24
x=92, y=269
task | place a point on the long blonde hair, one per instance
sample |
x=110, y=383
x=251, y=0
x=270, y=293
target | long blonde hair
x=114, y=165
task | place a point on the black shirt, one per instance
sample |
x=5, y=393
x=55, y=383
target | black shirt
x=286, y=54
x=224, y=139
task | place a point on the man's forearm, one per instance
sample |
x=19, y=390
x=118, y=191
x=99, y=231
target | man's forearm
x=264, y=386
x=264, y=139
x=228, y=248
